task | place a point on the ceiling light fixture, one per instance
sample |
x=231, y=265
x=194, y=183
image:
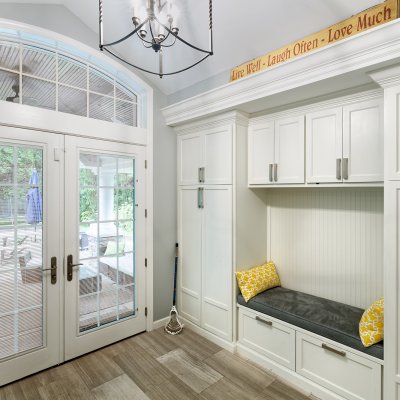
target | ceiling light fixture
x=157, y=28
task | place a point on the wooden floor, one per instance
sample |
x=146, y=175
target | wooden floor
x=157, y=366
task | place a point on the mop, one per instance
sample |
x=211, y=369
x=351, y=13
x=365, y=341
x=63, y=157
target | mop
x=174, y=326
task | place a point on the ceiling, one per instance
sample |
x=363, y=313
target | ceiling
x=242, y=30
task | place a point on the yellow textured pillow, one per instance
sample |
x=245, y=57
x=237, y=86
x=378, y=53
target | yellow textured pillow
x=257, y=279
x=371, y=324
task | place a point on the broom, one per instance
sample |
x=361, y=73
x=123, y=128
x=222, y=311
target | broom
x=174, y=326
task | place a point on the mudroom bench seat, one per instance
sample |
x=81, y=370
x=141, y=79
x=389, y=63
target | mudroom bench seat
x=313, y=340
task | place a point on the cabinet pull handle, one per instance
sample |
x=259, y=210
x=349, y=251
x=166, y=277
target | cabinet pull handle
x=345, y=168
x=339, y=169
x=332, y=350
x=271, y=167
x=203, y=174
x=269, y=323
x=200, y=200
x=276, y=173
x=199, y=175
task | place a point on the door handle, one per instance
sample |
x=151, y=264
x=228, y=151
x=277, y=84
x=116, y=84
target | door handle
x=339, y=169
x=53, y=270
x=276, y=172
x=271, y=167
x=200, y=200
x=345, y=168
x=70, y=268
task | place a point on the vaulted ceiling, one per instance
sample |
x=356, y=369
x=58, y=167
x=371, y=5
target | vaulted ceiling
x=242, y=30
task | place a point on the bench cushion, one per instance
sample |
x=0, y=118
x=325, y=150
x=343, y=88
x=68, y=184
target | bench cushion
x=327, y=318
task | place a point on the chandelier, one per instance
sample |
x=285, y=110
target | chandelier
x=157, y=29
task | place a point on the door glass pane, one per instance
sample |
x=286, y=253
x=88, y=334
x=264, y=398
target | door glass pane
x=106, y=232
x=21, y=249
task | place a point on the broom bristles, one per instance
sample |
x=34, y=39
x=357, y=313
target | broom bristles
x=173, y=327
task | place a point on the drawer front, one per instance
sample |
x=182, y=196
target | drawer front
x=268, y=337
x=345, y=373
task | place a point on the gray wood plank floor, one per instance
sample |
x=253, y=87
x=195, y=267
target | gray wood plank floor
x=154, y=366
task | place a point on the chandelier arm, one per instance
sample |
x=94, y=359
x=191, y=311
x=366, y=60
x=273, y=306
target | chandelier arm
x=143, y=40
x=183, y=40
x=169, y=45
x=151, y=31
x=127, y=36
x=156, y=73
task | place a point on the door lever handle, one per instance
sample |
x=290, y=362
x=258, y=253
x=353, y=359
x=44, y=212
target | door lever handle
x=53, y=269
x=70, y=267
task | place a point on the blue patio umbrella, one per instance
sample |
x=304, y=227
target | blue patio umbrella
x=34, y=200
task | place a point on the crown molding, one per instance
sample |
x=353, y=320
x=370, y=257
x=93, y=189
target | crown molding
x=387, y=77
x=368, y=49
x=229, y=118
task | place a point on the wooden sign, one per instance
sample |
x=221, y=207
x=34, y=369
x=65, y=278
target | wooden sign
x=374, y=16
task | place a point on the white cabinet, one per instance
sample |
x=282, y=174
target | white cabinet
x=205, y=237
x=324, y=145
x=276, y=152
x=205, y=157
x=345, y=144
x=331, y=366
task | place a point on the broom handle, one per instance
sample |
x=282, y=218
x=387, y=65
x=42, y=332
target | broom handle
x=175, y=272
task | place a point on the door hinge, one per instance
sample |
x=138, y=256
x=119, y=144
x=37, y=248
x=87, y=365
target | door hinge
x=145, y=164
x=145, y=311
x=145, y=213
x=145, y=262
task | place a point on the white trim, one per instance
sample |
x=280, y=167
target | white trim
x=161, y=323
x=290, y=377
x=371, y=48
x=230, y=346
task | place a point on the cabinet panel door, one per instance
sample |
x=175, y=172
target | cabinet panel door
x=324, y=146
x=189, y=158
x=217, y=261
x=261, y=147
x=218, y=156
x=190, y=260
x=363, y=141
x=289, y=150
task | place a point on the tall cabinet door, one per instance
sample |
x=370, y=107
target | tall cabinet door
x=190, y=232
x=190, y=158
x=217, y=144
x=363, y=142
x=217, y=261
x=324, y=146
x=289, y=150
x=261, y=147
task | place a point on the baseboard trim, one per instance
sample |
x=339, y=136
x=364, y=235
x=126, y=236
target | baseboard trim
x=160, y=323
x=286, y=375
x=210, y=336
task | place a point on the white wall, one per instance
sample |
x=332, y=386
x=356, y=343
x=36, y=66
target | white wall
x=59, y=19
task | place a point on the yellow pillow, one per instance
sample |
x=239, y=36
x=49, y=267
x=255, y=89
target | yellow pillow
x=257, y=279
x=371, y=324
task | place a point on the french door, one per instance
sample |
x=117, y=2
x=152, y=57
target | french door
x=71, y=247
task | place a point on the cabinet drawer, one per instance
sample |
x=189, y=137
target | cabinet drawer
x=268, y=337
x=345, y=373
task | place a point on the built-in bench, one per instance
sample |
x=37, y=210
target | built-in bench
x=327, y=318
x=311, y=341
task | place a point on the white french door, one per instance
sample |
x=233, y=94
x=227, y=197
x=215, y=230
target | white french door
x=84, y=205
x=29, y=239
x=105, y=241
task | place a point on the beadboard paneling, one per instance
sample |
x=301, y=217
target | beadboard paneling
x=329, y=242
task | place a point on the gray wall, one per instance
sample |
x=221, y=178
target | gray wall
x=59, y=19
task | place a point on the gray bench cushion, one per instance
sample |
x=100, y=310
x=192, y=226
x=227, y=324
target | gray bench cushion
x=327, y=318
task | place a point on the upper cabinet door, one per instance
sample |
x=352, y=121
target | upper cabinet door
x=289, y=150
x=363, y=142
x=190, y=154
x=261, y=147
x=217, y=161
x=324, y=146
